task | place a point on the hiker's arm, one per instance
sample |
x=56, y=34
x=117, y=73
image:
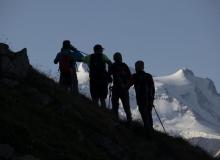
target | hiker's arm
x=78, y=56
x=110, y=70
x=128, y=75
x=130, y=81
x=152, y=88
x=86, y=60
x=107, y=60
x=110, y=73
x=56, y=60
x=128, y=71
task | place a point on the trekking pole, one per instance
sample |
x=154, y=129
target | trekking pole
x=86, y=54
x=159, y=119
x=110, y=95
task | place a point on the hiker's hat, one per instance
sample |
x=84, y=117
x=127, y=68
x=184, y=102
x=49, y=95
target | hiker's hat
x=117, y=56
x=97, y=47
x=139, y=65
x=67, y=44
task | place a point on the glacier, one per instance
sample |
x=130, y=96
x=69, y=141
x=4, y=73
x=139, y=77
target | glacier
x=189, y=107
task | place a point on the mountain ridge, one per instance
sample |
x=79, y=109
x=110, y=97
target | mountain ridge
x=187, y=104
x=40, y=120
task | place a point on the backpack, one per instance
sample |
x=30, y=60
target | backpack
x=121, y=74
x=97, y=67
x=144, y=85
x=65, y=65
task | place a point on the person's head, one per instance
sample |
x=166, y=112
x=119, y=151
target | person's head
x=117, y=57
x=139, y=66
x=67, y=45
x=98, y=48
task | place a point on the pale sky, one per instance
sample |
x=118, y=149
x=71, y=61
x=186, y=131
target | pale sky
x=167, y=34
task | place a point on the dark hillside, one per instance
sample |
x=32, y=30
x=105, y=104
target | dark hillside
x=39, y=119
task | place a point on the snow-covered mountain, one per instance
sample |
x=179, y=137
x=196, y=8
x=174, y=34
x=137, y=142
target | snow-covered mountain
x=189, y=107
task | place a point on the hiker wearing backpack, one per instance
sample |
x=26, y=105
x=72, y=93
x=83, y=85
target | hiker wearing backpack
x=98, y=74
x=67, y=58
x=145, y=91
x=121, y=75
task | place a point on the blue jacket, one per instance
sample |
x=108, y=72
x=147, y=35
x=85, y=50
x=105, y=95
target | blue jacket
x=75, y=55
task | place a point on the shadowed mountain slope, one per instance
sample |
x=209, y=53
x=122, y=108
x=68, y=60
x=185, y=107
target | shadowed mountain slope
x=40, y=120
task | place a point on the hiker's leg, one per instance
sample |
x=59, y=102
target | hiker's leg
x=103, y=103
x=64, y=80
x=126, y=105
x=144, y=115
x=103, y=92
x=150, y=119
x=68, y=81
x=75, y=88
x=61, y=78
x=115, y=102
x=93, y=92
x=95, y=100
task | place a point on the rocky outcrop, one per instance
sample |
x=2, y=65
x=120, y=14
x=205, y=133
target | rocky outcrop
x=13, y=64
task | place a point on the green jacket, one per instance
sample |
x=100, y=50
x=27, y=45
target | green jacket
x=87, y=59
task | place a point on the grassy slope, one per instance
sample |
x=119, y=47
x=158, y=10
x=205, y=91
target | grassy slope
x=71, y=127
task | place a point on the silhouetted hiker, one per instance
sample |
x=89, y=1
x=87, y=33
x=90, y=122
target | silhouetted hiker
x=121, y=75
x=98, y=74
x=67, y=58
x=145, y=91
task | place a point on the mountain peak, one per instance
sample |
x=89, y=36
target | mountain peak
x=185, y=72
x=180, y=75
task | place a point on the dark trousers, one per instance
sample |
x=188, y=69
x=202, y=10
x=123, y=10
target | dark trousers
x=146, y=115
x=99, y=91
x=118, y=93
x=69, y=81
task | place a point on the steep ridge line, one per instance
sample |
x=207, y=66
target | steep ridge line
x=40, y=119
